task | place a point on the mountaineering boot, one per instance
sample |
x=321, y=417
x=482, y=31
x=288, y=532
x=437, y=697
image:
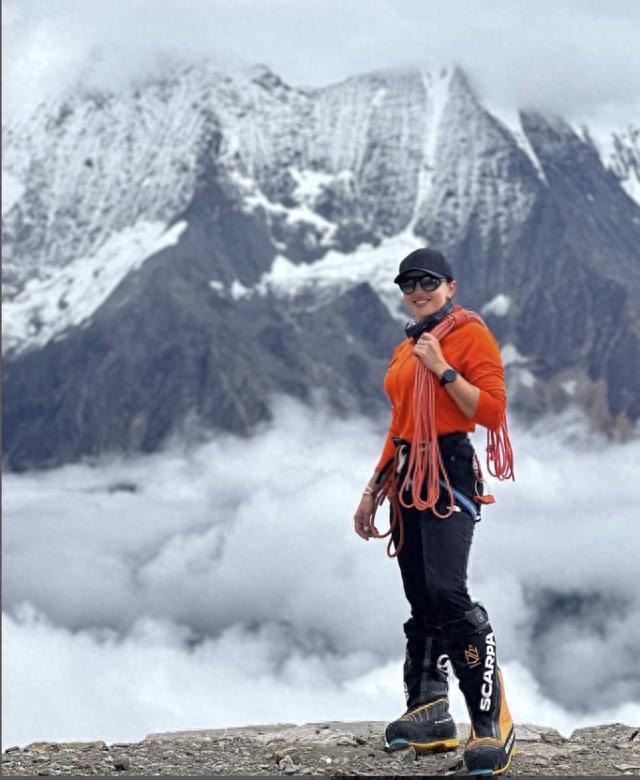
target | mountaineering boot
x=471, y=647
x=426, y=724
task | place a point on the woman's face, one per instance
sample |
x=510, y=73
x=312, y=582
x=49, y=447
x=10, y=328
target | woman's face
x=422, y=302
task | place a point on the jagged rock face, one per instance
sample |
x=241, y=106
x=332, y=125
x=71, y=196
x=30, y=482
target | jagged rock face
x=166, y=346
x=584, y=308
x=483, y=191
x=624, y=159
x=145, y=232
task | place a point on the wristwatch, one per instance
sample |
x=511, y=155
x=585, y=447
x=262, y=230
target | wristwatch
x=448, y=376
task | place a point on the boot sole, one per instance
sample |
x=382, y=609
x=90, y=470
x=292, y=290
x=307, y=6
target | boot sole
x=499, y=771
x=436, y=746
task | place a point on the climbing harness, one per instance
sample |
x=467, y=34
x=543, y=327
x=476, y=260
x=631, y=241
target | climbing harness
x=425, y=460
x=462, y=499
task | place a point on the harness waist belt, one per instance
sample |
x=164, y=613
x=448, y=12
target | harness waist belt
x=443, y=440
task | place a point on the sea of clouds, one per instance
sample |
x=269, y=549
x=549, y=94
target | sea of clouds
x=223, y=584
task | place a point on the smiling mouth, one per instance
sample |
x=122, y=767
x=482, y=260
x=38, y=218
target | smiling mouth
x=420, y=301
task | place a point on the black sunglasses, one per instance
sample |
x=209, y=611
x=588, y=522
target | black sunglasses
x=428, y=283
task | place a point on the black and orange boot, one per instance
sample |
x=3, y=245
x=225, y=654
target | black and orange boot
x=427, y=724
x=471, y=648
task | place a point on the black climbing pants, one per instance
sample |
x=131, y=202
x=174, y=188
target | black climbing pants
x=435, y=553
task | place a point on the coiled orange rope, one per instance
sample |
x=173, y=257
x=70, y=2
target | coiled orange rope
x=425, y=460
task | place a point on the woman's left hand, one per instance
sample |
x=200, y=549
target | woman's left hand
x=427, y=348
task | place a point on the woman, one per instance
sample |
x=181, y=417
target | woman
x=433, y=516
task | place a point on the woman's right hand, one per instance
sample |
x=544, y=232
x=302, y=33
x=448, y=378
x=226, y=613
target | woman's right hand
x=363, y=515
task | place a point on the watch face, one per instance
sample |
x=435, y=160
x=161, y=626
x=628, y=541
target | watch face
x=449, y=375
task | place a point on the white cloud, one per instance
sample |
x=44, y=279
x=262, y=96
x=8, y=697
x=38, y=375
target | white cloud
x=222, y=584
x=579, y=57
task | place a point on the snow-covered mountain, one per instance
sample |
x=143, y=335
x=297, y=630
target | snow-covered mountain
x=181, y=250
x=620, y=153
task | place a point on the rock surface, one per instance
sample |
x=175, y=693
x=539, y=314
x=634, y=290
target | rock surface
x=332, y=748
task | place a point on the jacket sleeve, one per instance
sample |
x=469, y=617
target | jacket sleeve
x=388, y=451
x=482, y=366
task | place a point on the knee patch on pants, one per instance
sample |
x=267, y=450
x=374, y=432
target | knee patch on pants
x=476, y=618
x=416, y=629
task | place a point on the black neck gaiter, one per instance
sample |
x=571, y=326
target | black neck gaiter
x=414, y=329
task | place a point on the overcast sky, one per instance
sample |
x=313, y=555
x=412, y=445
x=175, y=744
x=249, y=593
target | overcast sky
x=578, y=57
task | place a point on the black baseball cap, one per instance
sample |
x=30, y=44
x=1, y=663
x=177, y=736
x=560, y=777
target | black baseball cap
x=431, y=261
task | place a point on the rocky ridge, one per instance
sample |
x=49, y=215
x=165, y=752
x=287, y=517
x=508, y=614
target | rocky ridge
x=331, y=748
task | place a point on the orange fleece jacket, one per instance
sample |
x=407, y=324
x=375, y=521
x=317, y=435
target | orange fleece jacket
x=473, y=351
